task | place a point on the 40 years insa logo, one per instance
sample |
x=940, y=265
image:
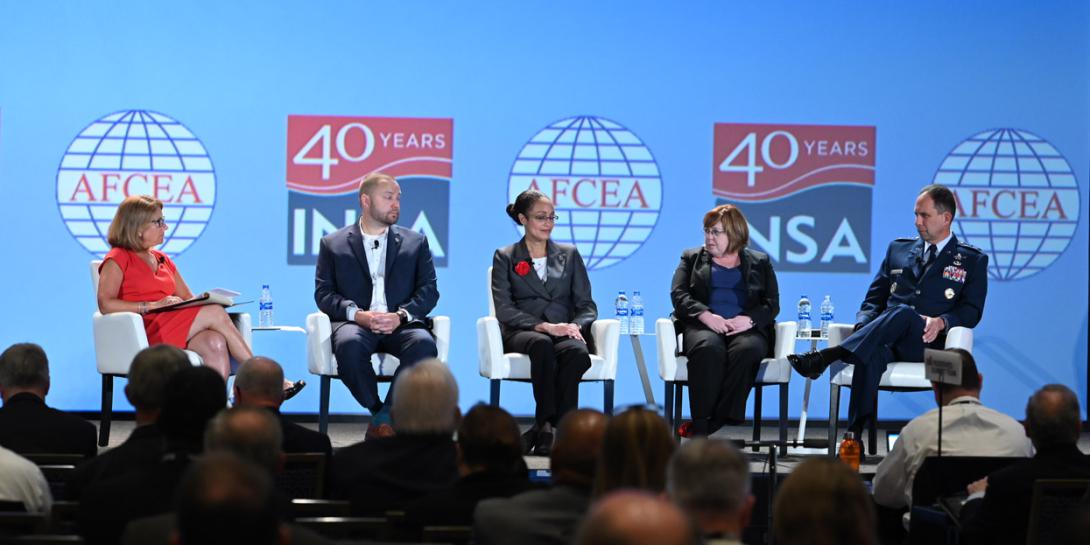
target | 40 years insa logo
x=805, y=190
x=328, y=157
x=603, y=180
x=136, y=152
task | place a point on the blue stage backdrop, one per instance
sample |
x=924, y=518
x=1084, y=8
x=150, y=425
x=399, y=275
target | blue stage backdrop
x=254, y=121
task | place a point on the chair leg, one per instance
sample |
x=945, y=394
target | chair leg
x=872, y=430
x=494, y=393
x=758, y=402
x=323, y=404
x=668, y=405
x=783, y=418
x=834, y=417
x=679, y=397
x=107, y=410
x=607, y=396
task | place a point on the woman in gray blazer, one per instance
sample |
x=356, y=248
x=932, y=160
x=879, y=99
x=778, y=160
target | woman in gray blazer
x=726, y=299
x=545, y=309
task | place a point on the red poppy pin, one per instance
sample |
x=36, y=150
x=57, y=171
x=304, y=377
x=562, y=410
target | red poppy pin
x=522, y=268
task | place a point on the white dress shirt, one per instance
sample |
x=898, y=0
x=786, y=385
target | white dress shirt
x=968, y=429
x=22, y=481
x=374, y=246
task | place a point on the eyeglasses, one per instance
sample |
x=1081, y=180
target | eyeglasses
x=161, y=222
x=714, y=232
x=543, y=218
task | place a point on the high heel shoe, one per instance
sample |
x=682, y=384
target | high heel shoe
x=295, y=388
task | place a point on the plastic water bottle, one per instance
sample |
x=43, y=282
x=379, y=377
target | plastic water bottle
x=635, y=326
x=621, y=309
x=265, y=304
x=804, y=315
x=851, y=451
x=826, y=316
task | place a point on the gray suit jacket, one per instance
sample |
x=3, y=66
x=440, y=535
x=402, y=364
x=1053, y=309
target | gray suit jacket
x=545, y=517
x=523, y=300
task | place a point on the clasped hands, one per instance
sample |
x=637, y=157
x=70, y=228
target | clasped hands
x=560, y=330
x=725, y=326
x=381, y=323
x=931, y=328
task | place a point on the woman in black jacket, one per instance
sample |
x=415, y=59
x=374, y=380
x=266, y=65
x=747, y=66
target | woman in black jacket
x=725, y=300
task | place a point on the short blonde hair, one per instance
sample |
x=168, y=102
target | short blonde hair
x=371, y=181
x=734, y=225
x=131, y=215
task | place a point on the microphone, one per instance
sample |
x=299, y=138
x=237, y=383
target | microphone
x=375, y=247
x=162, y=260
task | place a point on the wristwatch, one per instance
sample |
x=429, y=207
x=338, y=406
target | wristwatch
x=404, y=314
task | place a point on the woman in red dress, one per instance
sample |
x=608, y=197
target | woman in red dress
x=136, y=278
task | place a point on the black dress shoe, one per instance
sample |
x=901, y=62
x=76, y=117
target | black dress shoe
x=543, y=444
x=529, y=440
x=810, y=365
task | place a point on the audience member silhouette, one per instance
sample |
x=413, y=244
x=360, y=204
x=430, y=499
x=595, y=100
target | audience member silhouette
x=149, y=373
x=386, y=473
x=259, y=383
x=549, y=516
x=635, y=450
x=27, y=424
x=709, y=481
x=635, y=517
x=823, y=502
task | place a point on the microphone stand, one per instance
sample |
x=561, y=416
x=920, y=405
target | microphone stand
x=942, y=374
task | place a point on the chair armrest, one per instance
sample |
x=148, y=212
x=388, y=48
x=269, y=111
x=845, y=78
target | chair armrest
x=118, y=337
x=607, y=337
x=666, y=347
x=785, y=339
x=839, y=332
x=245, y=325
x=960, y=337
x=490, y=358
x=440, y=327
x=320, y=344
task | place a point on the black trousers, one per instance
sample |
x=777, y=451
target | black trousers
x=556, y=366
x=354, y=345
x=721, y=372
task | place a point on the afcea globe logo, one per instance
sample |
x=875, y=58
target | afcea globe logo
x=135, y=152
x=603, y=180
x=1018, y=200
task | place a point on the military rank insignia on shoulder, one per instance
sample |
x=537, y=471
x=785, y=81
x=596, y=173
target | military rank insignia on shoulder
x=969, y=248
x=906, y=239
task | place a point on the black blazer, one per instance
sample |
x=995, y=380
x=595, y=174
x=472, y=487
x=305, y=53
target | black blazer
x=523, y=301
x=29, y=426
x=691, y=289
x=342, y=277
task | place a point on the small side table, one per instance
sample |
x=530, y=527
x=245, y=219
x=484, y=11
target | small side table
x=641, y=366
x=814, y=336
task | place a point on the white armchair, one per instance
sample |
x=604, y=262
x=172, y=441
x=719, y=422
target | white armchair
x=322, y=362
x=774, y=371
x=899, y=376
x=119, y=336
x=497, y=366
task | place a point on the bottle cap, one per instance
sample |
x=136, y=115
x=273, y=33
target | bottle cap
x=264, y=286
x=849, y=435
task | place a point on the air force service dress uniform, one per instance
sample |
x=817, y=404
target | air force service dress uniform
x=953, y=287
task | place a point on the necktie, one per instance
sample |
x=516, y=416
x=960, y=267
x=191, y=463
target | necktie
x=928, y=260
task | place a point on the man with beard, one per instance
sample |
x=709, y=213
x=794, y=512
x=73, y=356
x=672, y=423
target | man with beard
x=376, y=282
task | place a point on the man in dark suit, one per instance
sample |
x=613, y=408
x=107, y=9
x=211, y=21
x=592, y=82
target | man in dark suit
x=149, y=373
x=193, y=396
x=27, y=424
x=1002, y=516
x=924, y=287
x=385, y=473
x=376, y=282
x=259, y=384
x=549, y=516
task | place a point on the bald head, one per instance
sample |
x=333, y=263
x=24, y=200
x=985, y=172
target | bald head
x=1052, y=416
x=259, y=382
x=631, y=517
x=578, y=444
x=250, y=433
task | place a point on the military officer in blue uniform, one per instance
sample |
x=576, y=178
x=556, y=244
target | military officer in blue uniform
x=925, y=286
